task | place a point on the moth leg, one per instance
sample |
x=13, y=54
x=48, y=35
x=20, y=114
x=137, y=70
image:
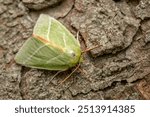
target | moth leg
x=69, y=74
x=78, y=37
x=82, y=71
x=54, y=76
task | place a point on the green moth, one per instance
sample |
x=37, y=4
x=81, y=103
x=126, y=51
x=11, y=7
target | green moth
x=51, y=47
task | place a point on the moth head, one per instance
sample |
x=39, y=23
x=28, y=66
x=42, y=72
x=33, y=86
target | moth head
x=74, y=55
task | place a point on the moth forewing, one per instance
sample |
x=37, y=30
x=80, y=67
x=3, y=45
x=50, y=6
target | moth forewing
x=51, y=47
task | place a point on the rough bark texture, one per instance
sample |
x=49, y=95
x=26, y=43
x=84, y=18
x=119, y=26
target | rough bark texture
x=118, y=69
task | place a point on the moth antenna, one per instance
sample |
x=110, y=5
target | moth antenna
x=69, y=75
x=88, y=49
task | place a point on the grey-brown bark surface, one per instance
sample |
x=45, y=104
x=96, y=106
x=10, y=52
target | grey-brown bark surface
x=118, y=69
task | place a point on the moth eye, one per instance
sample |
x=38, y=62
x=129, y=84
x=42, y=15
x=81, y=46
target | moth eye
x=72, y=53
